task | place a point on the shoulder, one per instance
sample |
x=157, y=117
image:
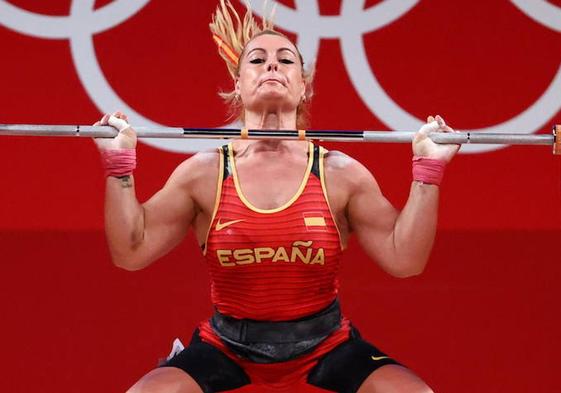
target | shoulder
x=346, y=170
x=198, y=167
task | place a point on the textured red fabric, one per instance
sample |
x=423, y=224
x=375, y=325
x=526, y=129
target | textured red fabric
x=118, y=162
x=428, y=170
x=273, y=266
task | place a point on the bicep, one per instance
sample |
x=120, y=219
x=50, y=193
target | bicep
x=372, y=218
x=167, y=216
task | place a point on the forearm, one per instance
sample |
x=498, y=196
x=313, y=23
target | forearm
x=415, y=229
x=401, y=242
x=139, y=234
x=124, y=221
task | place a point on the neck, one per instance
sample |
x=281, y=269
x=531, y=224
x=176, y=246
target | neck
x=270, y=120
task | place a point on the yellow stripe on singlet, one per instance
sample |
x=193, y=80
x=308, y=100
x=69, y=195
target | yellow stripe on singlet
x=218, y=193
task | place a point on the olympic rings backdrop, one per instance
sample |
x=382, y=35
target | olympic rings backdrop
x=484, y=316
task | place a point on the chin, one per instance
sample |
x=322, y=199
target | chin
x=273, y=99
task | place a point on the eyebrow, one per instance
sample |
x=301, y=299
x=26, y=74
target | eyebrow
x=278, y=50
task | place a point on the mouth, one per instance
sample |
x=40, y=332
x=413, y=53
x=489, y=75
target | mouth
x=272, y=80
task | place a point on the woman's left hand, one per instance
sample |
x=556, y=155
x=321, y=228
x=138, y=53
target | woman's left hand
x=423, y=146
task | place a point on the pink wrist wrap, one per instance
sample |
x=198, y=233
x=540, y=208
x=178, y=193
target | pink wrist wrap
x=428, y=170
x=118, y=162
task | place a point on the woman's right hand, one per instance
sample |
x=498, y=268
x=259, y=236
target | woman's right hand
x=125, y=139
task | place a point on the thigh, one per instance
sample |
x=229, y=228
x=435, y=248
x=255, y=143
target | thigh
x=345, y=368
x=208, y=366
x=394, y=379
x=166, y=380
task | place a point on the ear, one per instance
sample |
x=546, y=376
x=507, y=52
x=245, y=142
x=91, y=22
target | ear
x=305, y=89
x=237, y=86
x=308, y=81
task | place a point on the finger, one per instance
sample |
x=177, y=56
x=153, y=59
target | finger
x=440, y=121
x=119, y=124
x=430, y=119
x=429, y=127
x=104, y=119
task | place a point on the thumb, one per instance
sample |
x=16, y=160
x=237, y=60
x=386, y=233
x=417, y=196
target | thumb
x=119, y=124
x=427, y=128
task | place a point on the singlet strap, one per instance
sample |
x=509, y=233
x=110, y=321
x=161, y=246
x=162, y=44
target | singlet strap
x=227, y=170
x=315, y=163
x=222, y=173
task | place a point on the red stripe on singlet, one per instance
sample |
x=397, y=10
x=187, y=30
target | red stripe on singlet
x=273, y=265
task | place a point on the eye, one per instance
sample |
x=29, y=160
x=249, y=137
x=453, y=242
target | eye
x=257, y=61
x=286, y=61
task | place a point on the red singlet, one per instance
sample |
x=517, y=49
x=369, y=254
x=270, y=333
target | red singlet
x=274, y=265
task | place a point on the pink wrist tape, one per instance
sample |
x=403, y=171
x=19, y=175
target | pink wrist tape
x=428, y=170
x=118, y=162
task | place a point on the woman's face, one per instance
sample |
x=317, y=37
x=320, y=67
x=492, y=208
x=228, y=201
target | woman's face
x=270, y=75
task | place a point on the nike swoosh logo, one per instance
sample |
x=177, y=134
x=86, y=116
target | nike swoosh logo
x=379, y=357
x=219, y=226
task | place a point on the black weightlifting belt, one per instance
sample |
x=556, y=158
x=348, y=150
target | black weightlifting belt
x=271, y=342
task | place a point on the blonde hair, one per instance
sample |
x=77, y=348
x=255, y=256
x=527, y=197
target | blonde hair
x=232, y=34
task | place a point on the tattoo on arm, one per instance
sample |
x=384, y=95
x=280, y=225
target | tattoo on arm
x=126, y=181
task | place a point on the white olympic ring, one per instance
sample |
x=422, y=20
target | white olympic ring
x=542, y=12
x=62, y=27
x=310, y=27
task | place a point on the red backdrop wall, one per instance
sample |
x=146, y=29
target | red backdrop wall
x=483, y=317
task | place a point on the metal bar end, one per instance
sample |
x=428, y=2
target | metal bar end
x=557, y=139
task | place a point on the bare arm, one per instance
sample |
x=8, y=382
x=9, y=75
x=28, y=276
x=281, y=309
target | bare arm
x=400, y=242
x=138, y=234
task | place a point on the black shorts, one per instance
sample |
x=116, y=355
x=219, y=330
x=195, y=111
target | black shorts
x=342, y=370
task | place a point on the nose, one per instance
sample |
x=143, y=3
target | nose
x=273, y=66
